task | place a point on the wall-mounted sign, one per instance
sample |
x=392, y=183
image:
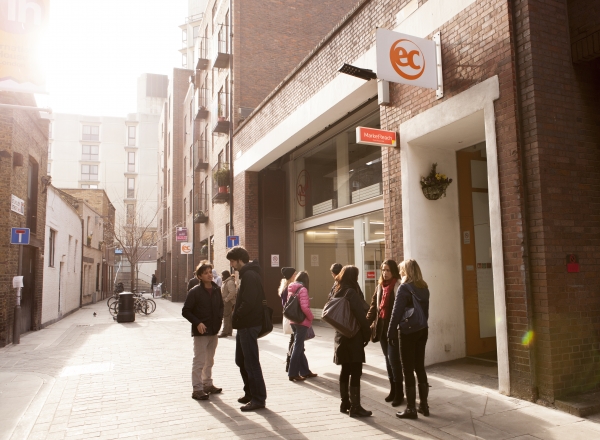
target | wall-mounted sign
x=314, y=260
x=19, y=236
x=572, y=263
x=233, y=241
x=370, y=274
x=406, y=59
x=373, y=136
x=302, y=187
x=274, y=260
x=186, y=248
x=17, y=205
x=22, y=29
x=181, y=234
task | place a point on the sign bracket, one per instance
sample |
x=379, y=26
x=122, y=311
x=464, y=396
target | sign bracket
x=437, y=38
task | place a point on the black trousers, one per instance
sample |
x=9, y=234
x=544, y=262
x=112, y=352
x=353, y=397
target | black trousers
x=412, y=350
x=352, y=371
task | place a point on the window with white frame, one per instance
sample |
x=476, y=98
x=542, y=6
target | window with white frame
x=131, y=136
x=86, y=186
x=130, y=188
x=91, y=133
x=89, y=172
x=51, y=247
x=130, y=213
x=90, y=152
x=131, y=162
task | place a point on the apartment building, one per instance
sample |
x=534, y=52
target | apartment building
x=232, y=59
x=116, y=154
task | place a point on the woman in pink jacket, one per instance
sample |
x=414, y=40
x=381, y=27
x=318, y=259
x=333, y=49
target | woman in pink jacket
x=298, y=363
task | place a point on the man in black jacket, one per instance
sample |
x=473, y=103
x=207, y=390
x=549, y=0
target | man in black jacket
x=247, y=319
x=203, y=307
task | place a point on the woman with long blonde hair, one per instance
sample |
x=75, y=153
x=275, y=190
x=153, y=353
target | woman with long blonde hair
x=413, y=293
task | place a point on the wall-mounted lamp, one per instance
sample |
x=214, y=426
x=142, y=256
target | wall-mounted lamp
x=359, y=72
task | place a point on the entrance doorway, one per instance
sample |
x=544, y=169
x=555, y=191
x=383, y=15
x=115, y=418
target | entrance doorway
x=476, y=249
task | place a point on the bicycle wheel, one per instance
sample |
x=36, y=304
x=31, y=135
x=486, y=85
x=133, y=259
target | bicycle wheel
x=114, y=308
x=138, y=306
x=150, y=307
x=110, y=300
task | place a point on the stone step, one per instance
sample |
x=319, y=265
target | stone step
x=581, y=405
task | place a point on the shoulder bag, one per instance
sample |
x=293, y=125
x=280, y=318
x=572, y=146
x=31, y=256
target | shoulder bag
x=413, y=318
x=337, y=313
x=292, y=309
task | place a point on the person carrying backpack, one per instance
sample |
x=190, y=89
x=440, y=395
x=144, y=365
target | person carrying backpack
x=413, y=294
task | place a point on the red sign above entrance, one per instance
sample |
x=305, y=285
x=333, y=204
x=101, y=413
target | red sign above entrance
x=373, y=136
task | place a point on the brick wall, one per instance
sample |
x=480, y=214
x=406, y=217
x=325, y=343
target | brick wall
x=25, y=133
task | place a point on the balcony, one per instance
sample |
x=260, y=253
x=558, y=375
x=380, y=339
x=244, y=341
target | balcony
x=202, y=113
x=220, y=113
x=220, y=47
x=203, y=53
x=220, y=185
x=201, y=154
x=201, y=208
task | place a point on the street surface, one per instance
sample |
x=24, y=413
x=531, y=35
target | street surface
x=88, y=377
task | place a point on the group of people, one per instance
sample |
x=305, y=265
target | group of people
x=404, y=351
x=210, y=301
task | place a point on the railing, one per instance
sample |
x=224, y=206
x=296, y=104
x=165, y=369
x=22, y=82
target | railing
x=220, y=113
x=203, y=103
x=201, y=153
x=220, y=183
x=194, y=17
x=201, y=208
x=220, y=47
x=203, y=48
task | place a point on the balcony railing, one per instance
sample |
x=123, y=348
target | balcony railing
x=201, y=208
x=201, y=154
x=203, y=100
x=220, y=185
x=220, y=113
x=195, y=17
x=220, y=47
x=203, y=53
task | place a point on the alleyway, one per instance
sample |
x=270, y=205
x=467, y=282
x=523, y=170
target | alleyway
x=88, y=377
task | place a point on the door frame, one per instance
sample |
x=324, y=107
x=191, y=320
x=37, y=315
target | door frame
x=479, y=98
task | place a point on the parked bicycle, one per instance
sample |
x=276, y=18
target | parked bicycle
x=141, y=304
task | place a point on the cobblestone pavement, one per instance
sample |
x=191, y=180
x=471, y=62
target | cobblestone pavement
x=88, y=377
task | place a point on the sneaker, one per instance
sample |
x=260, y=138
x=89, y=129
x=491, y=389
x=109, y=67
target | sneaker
x=212, y=390
x=199, y=395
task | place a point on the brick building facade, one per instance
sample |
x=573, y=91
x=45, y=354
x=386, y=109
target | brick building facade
x=23, y=162
x=518, y=131
x=202, y=113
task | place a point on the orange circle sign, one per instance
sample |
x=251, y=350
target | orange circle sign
x=407, y=59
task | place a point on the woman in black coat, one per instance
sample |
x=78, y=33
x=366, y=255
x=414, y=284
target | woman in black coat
x=350, y=352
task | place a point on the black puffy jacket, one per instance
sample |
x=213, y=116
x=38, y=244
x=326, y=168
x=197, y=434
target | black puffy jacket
x=203, y=307
x=248, y=311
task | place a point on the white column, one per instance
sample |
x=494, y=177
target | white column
x=299, y=251
x=343, y=170
x=359, y=256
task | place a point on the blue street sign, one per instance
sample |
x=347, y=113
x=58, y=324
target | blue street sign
x=19, y=236
x=232, y=241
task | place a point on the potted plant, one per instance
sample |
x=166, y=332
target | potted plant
x=434, y=185
x=89, y=240
x=200, y=217
x=221, y=176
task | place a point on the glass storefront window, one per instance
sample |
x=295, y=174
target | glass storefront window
x=358, y=241
x=338, y=172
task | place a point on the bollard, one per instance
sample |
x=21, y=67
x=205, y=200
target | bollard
x=17, y=319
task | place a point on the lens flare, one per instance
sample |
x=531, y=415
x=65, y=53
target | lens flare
x=527, y=338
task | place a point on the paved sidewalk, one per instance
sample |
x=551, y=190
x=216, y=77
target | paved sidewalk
x=88, y=377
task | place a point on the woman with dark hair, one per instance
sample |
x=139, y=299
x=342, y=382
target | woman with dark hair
x=298, y=369
x=378, y=316
x=413, y=341
x=350, y=352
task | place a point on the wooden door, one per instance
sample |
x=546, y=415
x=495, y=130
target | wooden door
x=476, y=258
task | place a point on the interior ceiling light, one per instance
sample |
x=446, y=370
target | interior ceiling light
x=359, y=72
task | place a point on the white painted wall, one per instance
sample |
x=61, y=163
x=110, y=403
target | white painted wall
x=62, y=218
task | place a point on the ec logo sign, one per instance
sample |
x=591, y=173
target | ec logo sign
x=406, y=59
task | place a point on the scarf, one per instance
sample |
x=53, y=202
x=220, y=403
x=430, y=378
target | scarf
x=385, y=309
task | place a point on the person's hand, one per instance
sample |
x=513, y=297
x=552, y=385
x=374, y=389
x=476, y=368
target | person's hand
x=365, y=343
x=392, y=341
x=201, y=328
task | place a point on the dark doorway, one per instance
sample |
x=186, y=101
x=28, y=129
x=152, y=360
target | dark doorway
x=28, y=291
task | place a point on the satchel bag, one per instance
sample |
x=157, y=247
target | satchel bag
x=267, y=323
x=337, y=314
x=413, y=318
x=287, y=327
x=310, y=333
x=292, y=310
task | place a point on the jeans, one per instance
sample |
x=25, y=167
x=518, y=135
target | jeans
x=412, y=347
x=298, y=361
x=392, y=360
x=247, y=359
x=204, y=359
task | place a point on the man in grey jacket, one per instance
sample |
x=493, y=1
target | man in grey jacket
x=229, y=292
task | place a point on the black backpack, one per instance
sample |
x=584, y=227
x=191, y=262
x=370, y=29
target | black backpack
x=414, y=318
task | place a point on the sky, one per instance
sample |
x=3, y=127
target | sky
x=95, y=51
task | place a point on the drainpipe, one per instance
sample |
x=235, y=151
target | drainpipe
x=231, y=112
x=524, y=211
x=81, y=268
